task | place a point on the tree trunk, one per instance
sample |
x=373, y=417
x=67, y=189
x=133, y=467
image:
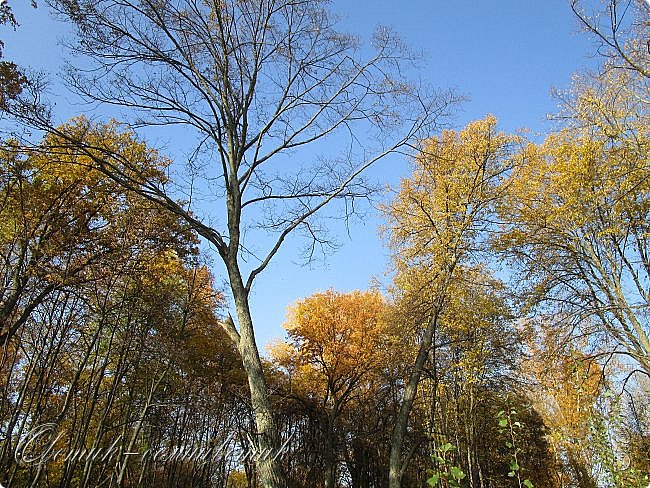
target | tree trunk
x=330, y=453
x=267, y=438
x=396, y=465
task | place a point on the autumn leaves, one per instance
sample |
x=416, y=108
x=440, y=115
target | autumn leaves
x=107, y=289
x=496, y=242
x=107, y=311
x=512, y=259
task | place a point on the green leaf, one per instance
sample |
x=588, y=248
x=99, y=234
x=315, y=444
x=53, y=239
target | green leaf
x=503, y=422
x=457, y=473
x=433, y=481
x=514, y=466
x=511, y=474
x=517, y=424
x=509, y=445
x=528, y=484
x=447, y=447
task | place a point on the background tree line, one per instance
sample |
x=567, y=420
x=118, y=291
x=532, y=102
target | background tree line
x=511, y=348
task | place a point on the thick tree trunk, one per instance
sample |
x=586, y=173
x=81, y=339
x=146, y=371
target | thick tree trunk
x=267, y=439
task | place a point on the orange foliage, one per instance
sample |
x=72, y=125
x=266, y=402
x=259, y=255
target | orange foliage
x=337, y=341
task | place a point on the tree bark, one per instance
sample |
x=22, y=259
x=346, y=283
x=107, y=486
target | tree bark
x=397, y=466
x=267, y=438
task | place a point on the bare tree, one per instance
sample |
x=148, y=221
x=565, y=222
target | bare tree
x=622, y=30
x=269, y=88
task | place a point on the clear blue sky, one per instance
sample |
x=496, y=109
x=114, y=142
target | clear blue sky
x=506, y=55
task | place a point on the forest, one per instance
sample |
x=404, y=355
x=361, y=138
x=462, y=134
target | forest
x=510, y=347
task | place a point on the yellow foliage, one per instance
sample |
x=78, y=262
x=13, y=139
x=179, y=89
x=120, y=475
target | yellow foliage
x=336, y=341
x=577, y=209
x=441, y=213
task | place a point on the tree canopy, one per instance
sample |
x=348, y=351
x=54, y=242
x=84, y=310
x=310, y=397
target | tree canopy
x=508, y=344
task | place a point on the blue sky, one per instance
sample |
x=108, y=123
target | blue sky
x=505, y=55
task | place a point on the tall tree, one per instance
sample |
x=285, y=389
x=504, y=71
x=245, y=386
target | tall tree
x=259, y=82
x=577, y=215
x=439, y=223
